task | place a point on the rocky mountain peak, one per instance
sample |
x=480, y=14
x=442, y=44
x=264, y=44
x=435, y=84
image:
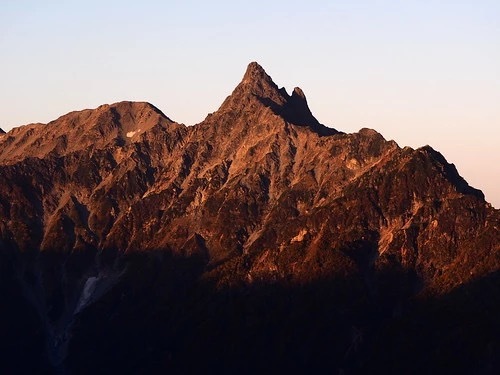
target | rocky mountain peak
x=255, y=72
x=298, y=93
x=106, y=126
x=125, y=108
x=255, y=85
x=257, y=82
x=258, y=93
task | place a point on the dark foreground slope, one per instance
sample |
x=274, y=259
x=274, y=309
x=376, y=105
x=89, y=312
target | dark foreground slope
x=257, y=240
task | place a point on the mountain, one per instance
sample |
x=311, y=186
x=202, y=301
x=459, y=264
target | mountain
x=256, y=240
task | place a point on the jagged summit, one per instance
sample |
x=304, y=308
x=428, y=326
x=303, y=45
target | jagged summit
x=256, y=84
x=297, y=92
x=256, y=73
x=257, y=92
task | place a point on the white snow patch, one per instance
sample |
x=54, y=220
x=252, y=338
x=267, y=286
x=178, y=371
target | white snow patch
x=87, y=292
x=97, y=286
x=131, y=134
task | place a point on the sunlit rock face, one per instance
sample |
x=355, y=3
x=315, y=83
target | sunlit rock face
x=259, y=232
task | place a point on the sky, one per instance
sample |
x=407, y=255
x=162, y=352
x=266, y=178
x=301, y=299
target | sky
x=419, y=72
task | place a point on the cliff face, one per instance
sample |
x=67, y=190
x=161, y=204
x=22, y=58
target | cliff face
x=259, y=193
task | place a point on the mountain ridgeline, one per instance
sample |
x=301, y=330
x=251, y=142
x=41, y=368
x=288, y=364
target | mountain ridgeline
x=258, y=240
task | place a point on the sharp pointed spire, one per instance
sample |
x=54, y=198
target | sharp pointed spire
x=255, y=72
x=258, y=92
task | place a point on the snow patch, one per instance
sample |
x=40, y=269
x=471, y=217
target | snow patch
x=88, y=291
x=95, y=287
x=132, y=133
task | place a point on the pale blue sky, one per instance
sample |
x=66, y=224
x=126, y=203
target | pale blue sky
x=420, y=72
